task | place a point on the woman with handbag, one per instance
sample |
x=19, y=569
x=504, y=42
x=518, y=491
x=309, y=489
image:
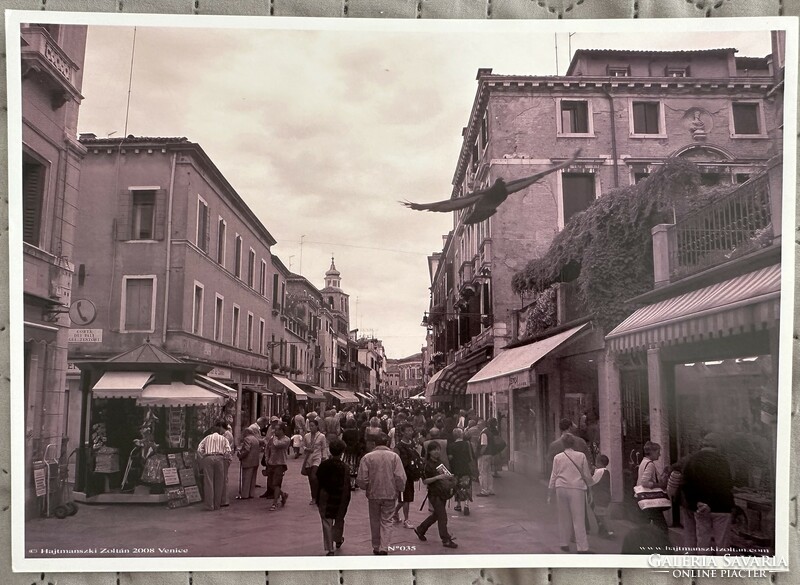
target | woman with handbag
x=653, y=498
x=315, y=448
x=570, y=479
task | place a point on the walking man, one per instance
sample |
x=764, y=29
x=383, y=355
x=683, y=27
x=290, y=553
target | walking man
x=277, y=447
x=213, y=449
x=382, y=476
x=708, y=488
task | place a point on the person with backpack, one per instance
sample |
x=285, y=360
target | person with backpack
x=441, y=485
x=414, y=468
x=461, y=459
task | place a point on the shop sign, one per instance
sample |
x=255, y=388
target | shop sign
x=85, y=336
x=220, y=373
x=518, y=380
x=501, y=398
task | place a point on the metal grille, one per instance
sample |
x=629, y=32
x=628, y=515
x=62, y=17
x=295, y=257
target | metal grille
x=739, y=223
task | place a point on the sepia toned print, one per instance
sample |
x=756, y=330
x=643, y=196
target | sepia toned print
x=220, y=294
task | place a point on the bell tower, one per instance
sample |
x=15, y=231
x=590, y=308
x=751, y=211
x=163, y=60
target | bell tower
x=335, y=297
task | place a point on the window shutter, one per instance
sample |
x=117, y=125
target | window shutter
x=639, y=124
x=32, y=188
x=161, y=214
x=124, y=215
x=582, y=117
x=652, y=118
x=207, y=235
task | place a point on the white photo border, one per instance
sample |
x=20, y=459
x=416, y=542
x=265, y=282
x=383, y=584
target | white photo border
x=13, y=20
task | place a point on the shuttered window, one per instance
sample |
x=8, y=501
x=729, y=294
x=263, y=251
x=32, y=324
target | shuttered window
x=143, y=215
x=746, y=119
x=574, y=117
x=137, y=305
x=578, y=193
x=222, y=230
x=202, y=225
x=251, y=268
x=33, y=175
x=237, y=258
x=646, y=116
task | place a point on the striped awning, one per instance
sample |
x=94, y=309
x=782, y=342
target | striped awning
x=121, y=384
x=362, y=396
x=738, y=305
x=452, y=380
x=511, y=369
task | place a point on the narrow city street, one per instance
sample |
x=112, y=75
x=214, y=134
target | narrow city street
x=517, y=520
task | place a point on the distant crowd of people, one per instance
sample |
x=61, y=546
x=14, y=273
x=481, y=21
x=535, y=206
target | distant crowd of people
x=382, y=450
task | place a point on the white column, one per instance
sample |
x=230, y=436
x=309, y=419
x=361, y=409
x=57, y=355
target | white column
x=659, y=422
x=610, y=412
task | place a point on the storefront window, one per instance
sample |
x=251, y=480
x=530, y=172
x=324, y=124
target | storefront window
x=735, y=398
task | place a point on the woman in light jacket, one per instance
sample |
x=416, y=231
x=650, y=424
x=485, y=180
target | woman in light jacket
x=315, y=448
x=650, y=477
x=569, y=479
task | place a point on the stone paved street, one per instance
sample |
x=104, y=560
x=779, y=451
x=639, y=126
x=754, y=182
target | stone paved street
x=517, y=520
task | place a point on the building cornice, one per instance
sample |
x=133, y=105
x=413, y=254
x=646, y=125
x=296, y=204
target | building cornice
x=489, y=83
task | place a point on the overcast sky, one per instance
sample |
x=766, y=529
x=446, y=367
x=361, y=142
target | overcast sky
x=323, y=132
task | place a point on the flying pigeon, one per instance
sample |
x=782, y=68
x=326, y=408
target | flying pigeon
x=485, y=202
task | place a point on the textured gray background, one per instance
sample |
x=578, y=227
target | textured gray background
x=494, y=9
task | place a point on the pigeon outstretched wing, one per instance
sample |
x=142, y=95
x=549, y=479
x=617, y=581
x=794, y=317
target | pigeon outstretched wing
x=448, y=204
x=519, y=184
x=490, y=198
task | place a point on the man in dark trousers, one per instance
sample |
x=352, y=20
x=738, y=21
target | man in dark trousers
x=708, y=489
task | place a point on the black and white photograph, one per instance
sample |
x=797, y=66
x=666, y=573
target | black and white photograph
x=330, y=294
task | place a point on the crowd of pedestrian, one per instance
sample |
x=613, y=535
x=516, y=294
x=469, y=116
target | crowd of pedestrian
x=386, y=451
x=390, y=451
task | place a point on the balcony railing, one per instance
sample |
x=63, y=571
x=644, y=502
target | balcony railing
x=739, y=223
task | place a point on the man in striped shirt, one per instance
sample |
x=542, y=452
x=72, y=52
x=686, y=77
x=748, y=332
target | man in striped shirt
x=213, y=450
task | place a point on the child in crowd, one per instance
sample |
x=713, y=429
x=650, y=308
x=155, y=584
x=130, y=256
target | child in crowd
x=297, y=442
x=601, y=494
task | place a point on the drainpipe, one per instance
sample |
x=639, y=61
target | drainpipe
x=615, y=158
x=168, y=239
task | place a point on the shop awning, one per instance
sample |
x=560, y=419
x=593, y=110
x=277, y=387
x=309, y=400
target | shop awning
x=121, y=384
x=177, y=394
x=291, y=387
x=362, y=396
x=314, y=393
x=258, y=389
x=345, y=396
x=738, y=305
x=511, y=369
x=216, y=386
x=452, y=380
x=420, y=396
x=432, y=383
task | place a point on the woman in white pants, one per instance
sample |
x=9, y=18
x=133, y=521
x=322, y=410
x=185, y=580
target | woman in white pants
x=568, y=479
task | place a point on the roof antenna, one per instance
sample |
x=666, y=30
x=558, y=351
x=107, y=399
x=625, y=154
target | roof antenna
x=130, y=80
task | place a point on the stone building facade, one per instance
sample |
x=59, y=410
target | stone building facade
x=50, y=166
x=627, y=112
